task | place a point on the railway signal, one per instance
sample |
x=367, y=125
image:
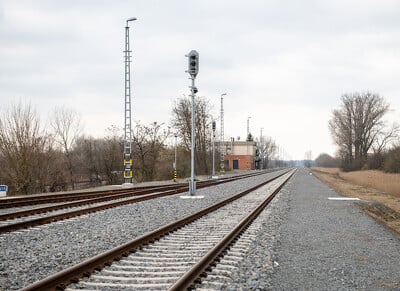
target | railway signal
x=214, y=127
x=193, y=69
x=193, y=58
x=174, y=164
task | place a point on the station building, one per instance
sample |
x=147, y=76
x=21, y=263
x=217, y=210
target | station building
x=240, y=155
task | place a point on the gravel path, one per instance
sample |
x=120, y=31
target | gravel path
x=311, y=243
x=31, y=255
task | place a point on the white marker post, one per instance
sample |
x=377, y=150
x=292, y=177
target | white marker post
x=3, y=190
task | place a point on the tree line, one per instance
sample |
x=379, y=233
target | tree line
x=37, y=158
x=364, y=138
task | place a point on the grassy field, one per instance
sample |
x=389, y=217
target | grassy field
x=379, y=191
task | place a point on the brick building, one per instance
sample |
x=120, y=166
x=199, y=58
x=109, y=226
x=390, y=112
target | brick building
x=240, y=155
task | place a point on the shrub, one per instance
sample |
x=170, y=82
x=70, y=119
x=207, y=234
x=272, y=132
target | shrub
x=392, y=161
x=325, y=160
x=376, y=161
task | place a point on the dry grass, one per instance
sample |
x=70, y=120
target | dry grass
x=326, y=170
x=379, y=191
x=388, y=183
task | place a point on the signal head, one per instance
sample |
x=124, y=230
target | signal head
x=193, y=63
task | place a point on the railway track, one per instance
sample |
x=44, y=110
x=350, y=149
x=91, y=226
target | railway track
x=17, y=219
x=14, y=202
x=173, y=257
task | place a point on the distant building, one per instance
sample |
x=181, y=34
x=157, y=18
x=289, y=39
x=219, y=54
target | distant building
x=240, y=155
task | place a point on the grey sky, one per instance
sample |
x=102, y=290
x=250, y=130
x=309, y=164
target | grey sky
x=284, y=63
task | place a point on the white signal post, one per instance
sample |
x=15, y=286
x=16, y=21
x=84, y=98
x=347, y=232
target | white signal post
x=213, y=149
x=193, y=57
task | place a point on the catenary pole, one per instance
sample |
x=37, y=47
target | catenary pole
x=128, y=164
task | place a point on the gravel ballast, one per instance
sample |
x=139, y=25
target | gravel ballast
x=31, y=255
x=309, y=242
x=306, y=241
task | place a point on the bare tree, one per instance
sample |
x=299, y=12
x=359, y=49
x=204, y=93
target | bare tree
x=87, y=153
x=181, y=121
x=357, y=125
x=112, y=154
x=385, y=138
x=66, y=124
x=99, y=159
x=267, y=151
x=308, y=156
x=23, y=150
x=149, y=141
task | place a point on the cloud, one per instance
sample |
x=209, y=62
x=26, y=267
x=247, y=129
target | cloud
x=285, y=63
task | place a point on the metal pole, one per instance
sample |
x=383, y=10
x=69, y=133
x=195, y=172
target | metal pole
x=193, y=69
x=222, y=148
x=213, y=150
x=248, y=132
x=279, y=151
x=175, y=174
x=261, y=150
x=192, y=185
x=248, y=127
x=128, y=119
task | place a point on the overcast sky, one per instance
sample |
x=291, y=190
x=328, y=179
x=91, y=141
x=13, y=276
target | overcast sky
x=284, y=63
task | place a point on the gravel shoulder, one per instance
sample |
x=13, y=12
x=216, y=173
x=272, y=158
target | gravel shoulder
x=382, y=206
x=310, y=242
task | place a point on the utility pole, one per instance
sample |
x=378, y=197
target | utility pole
x=128, y=165
x=248, y=127
x=247, y=137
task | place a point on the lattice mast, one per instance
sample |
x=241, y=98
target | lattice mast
x=128, y=164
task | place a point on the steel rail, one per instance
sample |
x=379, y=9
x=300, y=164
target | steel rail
x=61, y=216
x=70, y=214
x=60, y=280
x=194, y=274
x=10, y=202
x=82, y=202
x=54, y=198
